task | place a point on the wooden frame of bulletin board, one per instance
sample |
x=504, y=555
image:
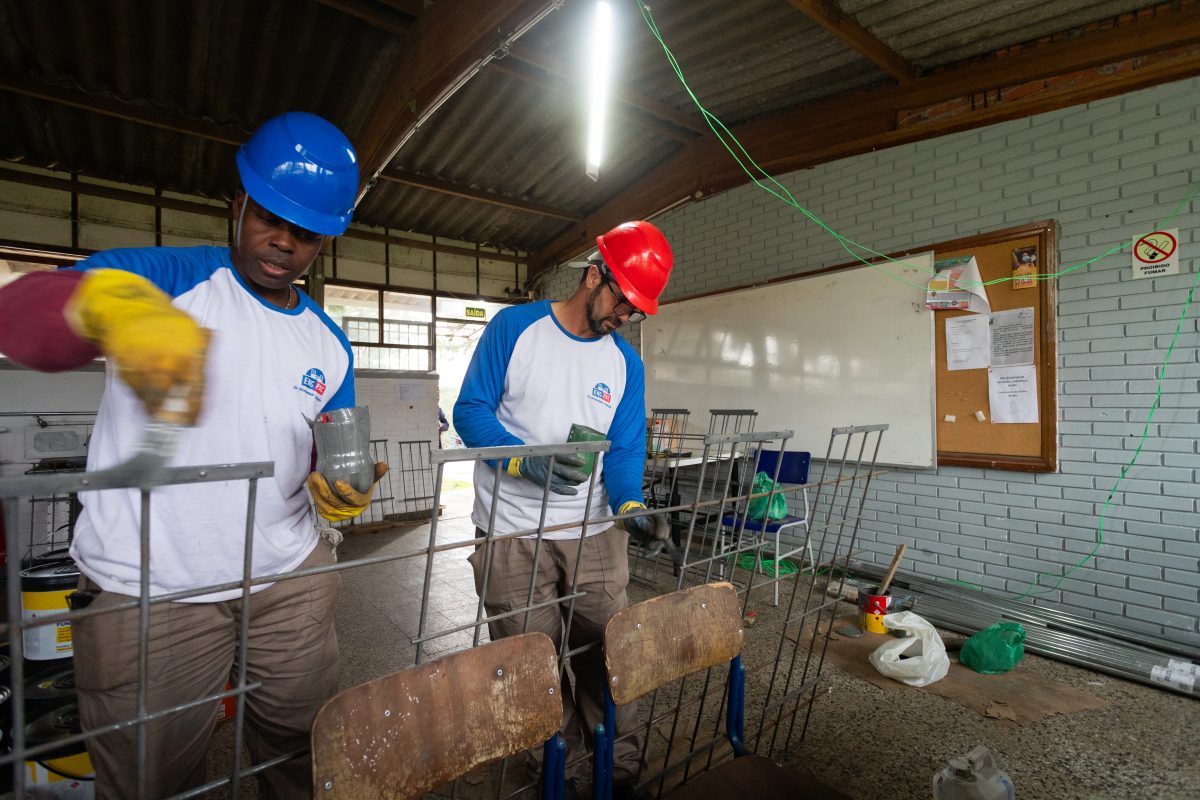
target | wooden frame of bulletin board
x=967, y=442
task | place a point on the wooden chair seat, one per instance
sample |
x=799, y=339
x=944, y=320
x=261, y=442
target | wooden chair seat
x=399, y=736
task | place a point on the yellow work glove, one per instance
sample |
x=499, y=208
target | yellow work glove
x=158, y=350
x=341, y=501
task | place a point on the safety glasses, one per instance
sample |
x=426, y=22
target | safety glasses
x=623, y=306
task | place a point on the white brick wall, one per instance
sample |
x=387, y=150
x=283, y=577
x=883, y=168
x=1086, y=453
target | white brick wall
x=1104, y=171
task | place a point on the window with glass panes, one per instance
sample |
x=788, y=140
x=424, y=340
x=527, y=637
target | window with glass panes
x=387, y=330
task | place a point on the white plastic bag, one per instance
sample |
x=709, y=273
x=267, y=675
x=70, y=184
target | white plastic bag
x=918, y=659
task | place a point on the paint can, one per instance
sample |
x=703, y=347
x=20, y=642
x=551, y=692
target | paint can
x=52, y=556
x=61, y=772
x=228, y=706
x=343, y=440
x=44, y=591
x=874, y=606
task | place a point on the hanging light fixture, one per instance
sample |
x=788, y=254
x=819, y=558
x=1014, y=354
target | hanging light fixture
x=600, y=47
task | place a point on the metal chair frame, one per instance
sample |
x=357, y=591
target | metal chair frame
x=790, y=471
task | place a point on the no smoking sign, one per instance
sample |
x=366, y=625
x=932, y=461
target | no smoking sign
x=1156, y=254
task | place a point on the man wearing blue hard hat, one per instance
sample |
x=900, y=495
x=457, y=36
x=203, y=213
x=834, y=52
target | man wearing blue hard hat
x=220, y=341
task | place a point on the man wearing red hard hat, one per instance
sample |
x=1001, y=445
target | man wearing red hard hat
x=539, y=369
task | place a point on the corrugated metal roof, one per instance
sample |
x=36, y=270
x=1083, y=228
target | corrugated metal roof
x=231, y=63
x=235, y=63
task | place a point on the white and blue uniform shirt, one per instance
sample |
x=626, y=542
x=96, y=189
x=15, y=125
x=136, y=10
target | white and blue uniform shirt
x=267, y=370
x=528, y=382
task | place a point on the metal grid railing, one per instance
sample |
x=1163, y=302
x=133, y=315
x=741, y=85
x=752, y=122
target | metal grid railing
x=414, y=480
x=778, y=692
x=15, y=627
x=383, y=500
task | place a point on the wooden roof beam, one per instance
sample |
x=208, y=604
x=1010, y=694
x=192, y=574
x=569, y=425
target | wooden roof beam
x=826, y=14
x=225, y=212
x=372, y=14
x=476, y=195
x=122, y=111
x=414, y=8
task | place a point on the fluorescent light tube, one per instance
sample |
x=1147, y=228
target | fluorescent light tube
x=601, y=63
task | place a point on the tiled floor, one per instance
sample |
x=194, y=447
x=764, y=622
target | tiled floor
x=382, y=603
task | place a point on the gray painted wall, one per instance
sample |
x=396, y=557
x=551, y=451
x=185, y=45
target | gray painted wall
x=1104, y=172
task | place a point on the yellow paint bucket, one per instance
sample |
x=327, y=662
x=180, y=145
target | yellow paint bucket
x=66, y=771
x=44, y=591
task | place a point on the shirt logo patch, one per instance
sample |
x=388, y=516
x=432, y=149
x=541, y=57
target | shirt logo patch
x=602, y=394
x=313, y=383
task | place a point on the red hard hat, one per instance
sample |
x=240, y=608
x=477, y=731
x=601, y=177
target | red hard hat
x=640, y=259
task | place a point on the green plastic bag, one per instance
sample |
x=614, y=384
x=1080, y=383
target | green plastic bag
x=763, y=483
x=994, y=650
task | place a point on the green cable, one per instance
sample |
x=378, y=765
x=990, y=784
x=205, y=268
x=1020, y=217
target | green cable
x=1124, y=470
x=718, y=128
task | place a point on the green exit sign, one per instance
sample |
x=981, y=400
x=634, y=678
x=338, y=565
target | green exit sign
x=477, y=313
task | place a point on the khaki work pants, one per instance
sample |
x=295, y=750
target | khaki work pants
x=604, y=575
x=291, y=650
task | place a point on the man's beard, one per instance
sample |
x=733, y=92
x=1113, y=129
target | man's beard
x=595, y=321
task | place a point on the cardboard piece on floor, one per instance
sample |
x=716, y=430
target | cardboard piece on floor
x=1017, y=697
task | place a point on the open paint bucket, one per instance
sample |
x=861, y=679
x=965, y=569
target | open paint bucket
x=44, y=591
x=66, y=770
x=874, y=607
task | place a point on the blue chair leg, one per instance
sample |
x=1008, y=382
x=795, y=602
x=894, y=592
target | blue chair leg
x=610, y=722
x=554, y=768
x=602, y=755
x=735, y=717
x=600, y=764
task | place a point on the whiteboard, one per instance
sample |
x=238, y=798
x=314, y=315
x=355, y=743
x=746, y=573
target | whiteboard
x=852, y=347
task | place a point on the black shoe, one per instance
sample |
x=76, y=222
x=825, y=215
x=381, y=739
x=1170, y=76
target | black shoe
x=570, y=790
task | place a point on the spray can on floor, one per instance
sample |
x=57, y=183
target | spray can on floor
x=974, y=776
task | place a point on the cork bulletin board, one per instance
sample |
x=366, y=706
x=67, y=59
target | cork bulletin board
x=1029, y=447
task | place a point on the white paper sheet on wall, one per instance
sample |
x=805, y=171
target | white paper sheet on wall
x=1012, y=392
x=1012, y=337
x=968, y=344
x=412, y=391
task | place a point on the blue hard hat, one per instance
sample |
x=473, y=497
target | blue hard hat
x=302, y=168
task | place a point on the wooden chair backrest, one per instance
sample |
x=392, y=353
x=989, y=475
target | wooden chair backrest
x=399, y=736
x=665, y=638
